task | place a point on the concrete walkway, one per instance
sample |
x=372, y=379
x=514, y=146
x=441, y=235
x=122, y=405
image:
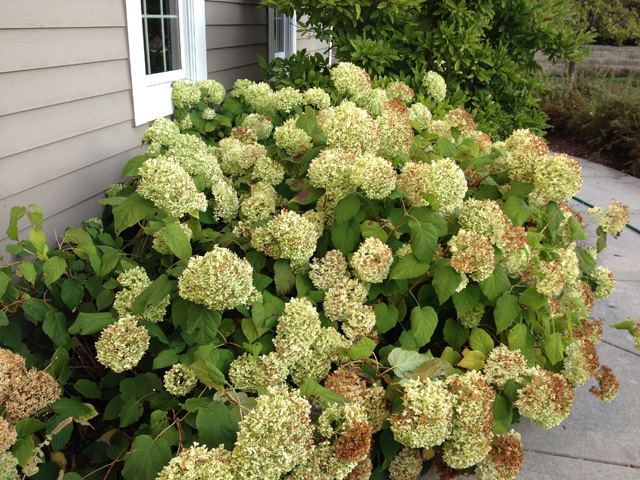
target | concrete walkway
x=599, y=440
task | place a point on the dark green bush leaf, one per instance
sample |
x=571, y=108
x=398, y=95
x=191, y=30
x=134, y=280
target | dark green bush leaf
x=215, y=426
x=517, y=210
x=69, y=407
x=424, y=240
x=346, y=235
x=533, y=299
x=55, y=326
x=507, y=312
x=466, y=299
x=408, y=267
x=88, y=389
x=177, y=240
x=517, y=338
x=283, y=277
x=53, y=269
x=146, y=458
x=455, y=334
x=132, y=166
x=72, y=292
x=553, y=348
x=310, y=388
x=88, y=323
x=502, y=415
x=154, y=293
x=445, y=281
x=361, y=350
x=347, y=209
x=423, y=323
x=134, y=209
x=386, y=316
x=480, y=340
x=496, y=284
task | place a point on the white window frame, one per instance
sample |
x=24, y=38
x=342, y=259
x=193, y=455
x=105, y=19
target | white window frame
x=152, y=93
x=290, y=37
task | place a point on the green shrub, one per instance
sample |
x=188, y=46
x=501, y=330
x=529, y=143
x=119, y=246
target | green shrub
x=485, y=50
x=304, y=289
x=614, y=22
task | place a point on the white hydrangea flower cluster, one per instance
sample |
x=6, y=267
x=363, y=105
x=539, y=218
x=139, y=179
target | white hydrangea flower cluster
x=162, y=131
x=198, y=462
x=326, y=349
x=297, y=329
x=471, y=434
x=8, y=437
x=329, y=271
x=558, y=177
x=261, y=124
x=179, y=380
x=504, y=364
x=400, y=91
x=605, y=283
x=219, y=280
x=473, y=317
x=613, y=220
x=332, y=171
x=261, y=203
x=169, y=187
x=267, y=171
x=350, y=80
x=406, y=465
x=236, y=157
x=289, y=235
x=483, y=217
x=226, y=203
x=372, y=261
x=547, y=399
x=274, y=437
x=346, y=426
x=443, y=180
x=396, y=133
x=504, y=460
x=373, y=101
x=316, y=97
x=122, y=344
x=472, y=253
x=249, y=373
x=8, y=466
x=436, y=85
x=214, y=92
x=160, y=245
x=344, y=303
x=581, y=362
x=420, y=114
x=515, y=263
x=375, y=176
x=441, y=128
x=294, y=140
x=134, y=281
x=192, y=154
x=184, y=93
x=259, y=96
x=461, y=119
x=288, y=99
x=425, y=420
x=525, y=150
x=350, y=128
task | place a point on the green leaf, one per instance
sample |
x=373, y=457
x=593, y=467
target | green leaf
x=408, y=267
x=423, y=323
x=55, y=326
x=369, y=228
x=131, y=412
x=577, y=232
x=455, y=334
x=502, y=415
x=518, y=189
x=23, y=449
x=215, y=426
x=36, y=310
x=53, y=269
x=39, y=240
x=310, y=388
x=154, y=293
x=533, y=299
x=445, y=282
x=433, y=367
x=466, y=299
x=70, y=407
x=424, y=240
x=208, y=373
x=481, y=340
x=4, y=283
x=346, y=235
x=165, y=358
x=284, y=278
x=89, y=323
x=507, y=312
x=72, y=292
x=131, y=211
x=496, y=284
x=472, y=360
x=4, y=320
x=79, y=236
x=626, y=325
x=28, y=426
x=306, y=122
x=426, y=215
x=88, y=389
x=517, y=337
x=361, y=350
x=16, y=214
x=146, y=458
x=27, y=271
x=177, y=240
x=405, y=360
x=517, y=210
x=386, y=316
x=347, y=209
x=553, y=348
x=104, y=299
x=445, y=147
x=132, y=166
x=450, y=356
x=108, y=262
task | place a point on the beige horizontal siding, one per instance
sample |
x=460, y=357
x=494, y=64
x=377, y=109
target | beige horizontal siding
x=66, y=192
x=62, y=13
x=62, y=121
x=237, y=31
x=52, y=86
x=27, y=49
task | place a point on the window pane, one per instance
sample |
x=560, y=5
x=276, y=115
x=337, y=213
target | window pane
x=161, y=35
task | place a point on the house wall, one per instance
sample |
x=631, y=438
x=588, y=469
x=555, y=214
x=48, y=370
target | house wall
x=66, y=112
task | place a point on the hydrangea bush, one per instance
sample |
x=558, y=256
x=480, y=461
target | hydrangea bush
x=321, y=284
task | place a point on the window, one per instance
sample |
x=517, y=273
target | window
x=166, y=42
x=282, y=35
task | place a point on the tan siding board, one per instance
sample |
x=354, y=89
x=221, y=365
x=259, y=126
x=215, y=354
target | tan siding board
x=32, y=49
x=62, y=13
x=40, y=165
x=65, y=121
x=222, y=13
x=31, y=89
x=226, y=58
x=228, y=77
x=66, y=192
x=223, y=36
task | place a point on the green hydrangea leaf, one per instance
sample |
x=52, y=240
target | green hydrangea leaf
x=146, y=458
x=423, y=323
